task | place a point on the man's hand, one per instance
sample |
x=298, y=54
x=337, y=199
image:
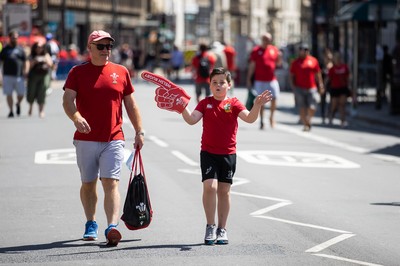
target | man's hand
x=169, y=96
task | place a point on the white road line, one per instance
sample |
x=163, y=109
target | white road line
x=270, y=208
x=184, y=158
x=347, y=260
x=303, y=224
x=258, y=197
x=158, y=141
x=330, y=242
x=324, y=140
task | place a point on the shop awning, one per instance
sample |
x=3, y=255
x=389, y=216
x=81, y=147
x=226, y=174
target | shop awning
x=373, y=10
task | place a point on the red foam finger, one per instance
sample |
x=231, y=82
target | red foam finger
x=158, y=80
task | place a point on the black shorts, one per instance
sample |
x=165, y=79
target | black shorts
x=337, y=92
x=217, y=166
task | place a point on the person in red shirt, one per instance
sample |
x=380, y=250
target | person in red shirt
x=94, y=93
x=338, y=76
x=305, y=72
x=263, y=61
x=218, y=148
x=202, y=64
x=230, y=54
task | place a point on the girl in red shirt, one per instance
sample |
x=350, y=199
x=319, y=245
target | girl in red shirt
x=338, y=76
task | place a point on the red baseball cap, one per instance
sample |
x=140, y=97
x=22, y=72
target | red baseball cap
x=98, y=35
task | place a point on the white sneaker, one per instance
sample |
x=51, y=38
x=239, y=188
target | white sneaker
x=211, y=234
x=222, y=236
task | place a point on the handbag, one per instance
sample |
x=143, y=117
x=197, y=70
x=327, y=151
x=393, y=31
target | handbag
x=137, y=212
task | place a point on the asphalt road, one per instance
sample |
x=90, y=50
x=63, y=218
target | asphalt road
x=328, y=197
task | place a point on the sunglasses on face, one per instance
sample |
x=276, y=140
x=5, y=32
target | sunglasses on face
x=101, y=47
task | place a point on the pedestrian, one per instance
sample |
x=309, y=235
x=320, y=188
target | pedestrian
x=387, y=73
x=230, y=54
x=39, y=76
x=305, y=72
x=338, y=78
x=15, y=69
x=176, y=61
x=202, y=64
x=93, y=97
x=218, y=148
x=53, y=49
x=327, y=63
x=264, y=58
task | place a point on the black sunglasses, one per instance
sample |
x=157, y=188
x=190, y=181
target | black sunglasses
x=101, y=47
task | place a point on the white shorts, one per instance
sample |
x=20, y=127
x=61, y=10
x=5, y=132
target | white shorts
x=99, y=159
x=272, y=86
x=11, y=83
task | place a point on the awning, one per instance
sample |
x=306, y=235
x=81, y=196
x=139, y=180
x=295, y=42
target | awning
x=373, y=10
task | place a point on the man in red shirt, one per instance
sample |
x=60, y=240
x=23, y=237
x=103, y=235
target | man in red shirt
x=93, y=97
x=305, y=72
x=263, y=61
x=202, y=64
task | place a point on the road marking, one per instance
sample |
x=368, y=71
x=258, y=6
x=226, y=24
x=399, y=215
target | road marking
x=330, y=242
x=347, y=260
x=270, y=208
x=63, y=156
x=296, y=159
x=158, y=141
x=184, y=158
x=259, y=197
x=331, y=142
x=303, y=224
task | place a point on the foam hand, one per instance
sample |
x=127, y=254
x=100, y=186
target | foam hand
x=169, y=96
x=175, y=99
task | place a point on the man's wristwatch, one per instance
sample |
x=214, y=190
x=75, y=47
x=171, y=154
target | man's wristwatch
x=140, y=133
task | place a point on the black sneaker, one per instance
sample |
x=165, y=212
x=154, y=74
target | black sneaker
x=18, y=109
x=11, y=114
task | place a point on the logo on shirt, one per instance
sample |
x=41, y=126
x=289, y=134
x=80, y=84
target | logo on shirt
x=209, y=106
x=114, y=76
x=228, y=107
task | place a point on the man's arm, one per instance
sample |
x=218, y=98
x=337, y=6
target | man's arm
x=70, y=109
x=134, y=116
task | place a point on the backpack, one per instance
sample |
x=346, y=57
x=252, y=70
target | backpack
x=204, y=66
x=137, y=212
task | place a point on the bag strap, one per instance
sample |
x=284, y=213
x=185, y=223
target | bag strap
x=137, y=165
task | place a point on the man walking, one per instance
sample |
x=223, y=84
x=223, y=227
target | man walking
x=305, y=72
x=93, y=97
x=15, y=69
x=264, y=59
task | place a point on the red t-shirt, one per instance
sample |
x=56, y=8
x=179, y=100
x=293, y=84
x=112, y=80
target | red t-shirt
x=230, y=54
x=304, y=70
x=219, y=124
x=100, y=92
x=265, y=62
x=196, y=63
x=339, y=76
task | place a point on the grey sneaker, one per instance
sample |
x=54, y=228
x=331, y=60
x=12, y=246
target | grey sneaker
x=222, y=237
x=211, y=234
